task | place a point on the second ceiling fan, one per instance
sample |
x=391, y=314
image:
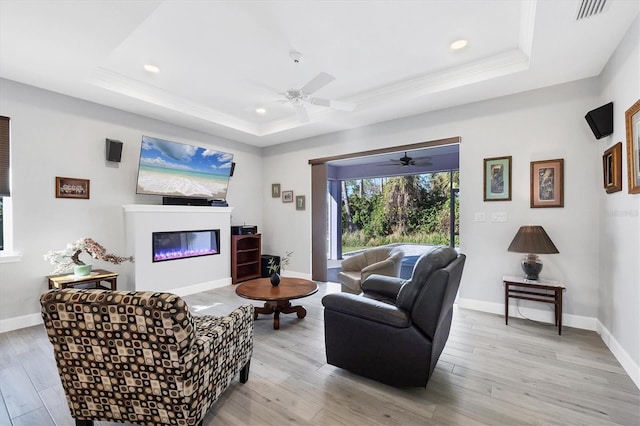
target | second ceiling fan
x=406, y=161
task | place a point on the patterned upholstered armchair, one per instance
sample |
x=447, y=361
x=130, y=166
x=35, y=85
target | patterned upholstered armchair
x=141, y=357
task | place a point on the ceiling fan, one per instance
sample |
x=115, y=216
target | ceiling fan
x=406, y=161
x=298, y=98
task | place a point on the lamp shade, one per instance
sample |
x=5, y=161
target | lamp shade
x=532, y=239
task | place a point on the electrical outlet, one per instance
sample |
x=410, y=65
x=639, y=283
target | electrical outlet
x=479, y=217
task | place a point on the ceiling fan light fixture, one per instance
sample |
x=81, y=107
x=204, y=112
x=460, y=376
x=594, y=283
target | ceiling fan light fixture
x=153, y=69
x=261, y=111
x=296, y=56
x=459, y=44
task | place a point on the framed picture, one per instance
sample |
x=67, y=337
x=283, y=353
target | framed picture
x=275, y=190
x=547, y=183
x=287, y=196
x=612, y=168
x=497, y=179
x=632, y=118
x=300, y=202
x=72, y=187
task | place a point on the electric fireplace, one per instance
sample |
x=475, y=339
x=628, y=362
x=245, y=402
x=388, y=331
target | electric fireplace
x=184, y=244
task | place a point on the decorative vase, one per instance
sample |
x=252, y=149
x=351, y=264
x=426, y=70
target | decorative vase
x=275, y=279
x=81, y=270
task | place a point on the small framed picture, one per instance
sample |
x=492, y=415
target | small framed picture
x=612, y=168
x=72, y=188
x=300, y=202
x=632, y=124
x=497, y=179
x=287, y=196
x=275, y=190
x=547, y=183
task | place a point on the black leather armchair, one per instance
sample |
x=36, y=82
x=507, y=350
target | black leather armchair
x=394, y=332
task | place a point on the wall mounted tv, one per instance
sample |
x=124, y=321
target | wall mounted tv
x=173, y=169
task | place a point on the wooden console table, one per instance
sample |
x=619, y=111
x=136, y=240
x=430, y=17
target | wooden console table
x=95, y=277
x=538, y=291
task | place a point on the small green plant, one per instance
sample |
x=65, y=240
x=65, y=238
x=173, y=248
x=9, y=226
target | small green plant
x=275, y=268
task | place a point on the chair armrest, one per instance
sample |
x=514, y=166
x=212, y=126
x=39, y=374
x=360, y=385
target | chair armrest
x=230, y=335
x=388, y=287
x=353, y=263
x=367, y=309
x=383, y=267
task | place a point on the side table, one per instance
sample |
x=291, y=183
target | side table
x=95, y=277
x=539, y=291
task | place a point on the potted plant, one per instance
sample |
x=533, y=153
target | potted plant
x=69, y=258
x=275, y=268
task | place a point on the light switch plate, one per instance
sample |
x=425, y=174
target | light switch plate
x=499, y=217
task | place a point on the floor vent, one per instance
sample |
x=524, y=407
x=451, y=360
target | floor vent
x=589, y=8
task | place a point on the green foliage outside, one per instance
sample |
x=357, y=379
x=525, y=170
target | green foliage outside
x=404, y=209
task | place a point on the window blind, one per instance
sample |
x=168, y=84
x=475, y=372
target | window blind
x=4, y=157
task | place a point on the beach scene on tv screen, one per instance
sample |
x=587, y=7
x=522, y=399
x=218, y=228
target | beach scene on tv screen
x=175, y=169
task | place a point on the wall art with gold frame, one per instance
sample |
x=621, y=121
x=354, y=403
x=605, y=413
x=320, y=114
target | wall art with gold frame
x=632, y=120
x=547, y=183
x=612, y=168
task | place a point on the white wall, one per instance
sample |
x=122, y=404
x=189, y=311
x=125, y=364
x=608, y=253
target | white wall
x=54, y=135
x=619, y=228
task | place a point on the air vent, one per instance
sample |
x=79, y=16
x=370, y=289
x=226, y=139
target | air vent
x=589, y=8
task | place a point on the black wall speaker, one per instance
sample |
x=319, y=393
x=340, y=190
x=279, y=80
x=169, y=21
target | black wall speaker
x=233, y=167
x=601, y=120
x=114, y=150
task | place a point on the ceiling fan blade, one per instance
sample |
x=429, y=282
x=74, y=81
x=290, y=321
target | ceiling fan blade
x=301, y=112
x=318, y=82
x=422, y=162
x=339, y=105
x=320, y=102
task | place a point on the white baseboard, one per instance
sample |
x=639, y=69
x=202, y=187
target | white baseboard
x=23, y=321
x=632, y=369
x=577, y=321
x=197, y=288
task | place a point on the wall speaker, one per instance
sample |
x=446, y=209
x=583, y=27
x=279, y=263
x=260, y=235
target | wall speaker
x=114, y=150
x=601, y=120
x=233, y=167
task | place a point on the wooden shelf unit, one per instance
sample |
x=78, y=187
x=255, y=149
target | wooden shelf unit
x=245, y=257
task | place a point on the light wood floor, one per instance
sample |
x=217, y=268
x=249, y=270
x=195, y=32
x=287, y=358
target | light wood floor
x=489, y=373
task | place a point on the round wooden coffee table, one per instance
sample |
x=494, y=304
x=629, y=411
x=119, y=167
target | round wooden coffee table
x=277, y=299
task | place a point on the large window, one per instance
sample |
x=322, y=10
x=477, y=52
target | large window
x=413, y=209
x=4, y=183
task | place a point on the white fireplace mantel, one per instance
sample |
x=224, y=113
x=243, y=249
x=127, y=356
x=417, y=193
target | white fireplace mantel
x=180, y=276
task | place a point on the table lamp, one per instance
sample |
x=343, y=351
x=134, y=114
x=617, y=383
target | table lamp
x=532, y=240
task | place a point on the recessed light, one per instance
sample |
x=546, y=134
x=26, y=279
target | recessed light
x=152, y=68
x=261, y=111
x=459, y=44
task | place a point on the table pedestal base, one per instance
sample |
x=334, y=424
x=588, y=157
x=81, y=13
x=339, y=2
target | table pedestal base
x=275, y=307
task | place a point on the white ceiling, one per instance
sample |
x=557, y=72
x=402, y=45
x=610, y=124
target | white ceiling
x=219, y=60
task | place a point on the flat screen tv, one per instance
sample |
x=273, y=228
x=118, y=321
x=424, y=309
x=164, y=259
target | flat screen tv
x=173, y=169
